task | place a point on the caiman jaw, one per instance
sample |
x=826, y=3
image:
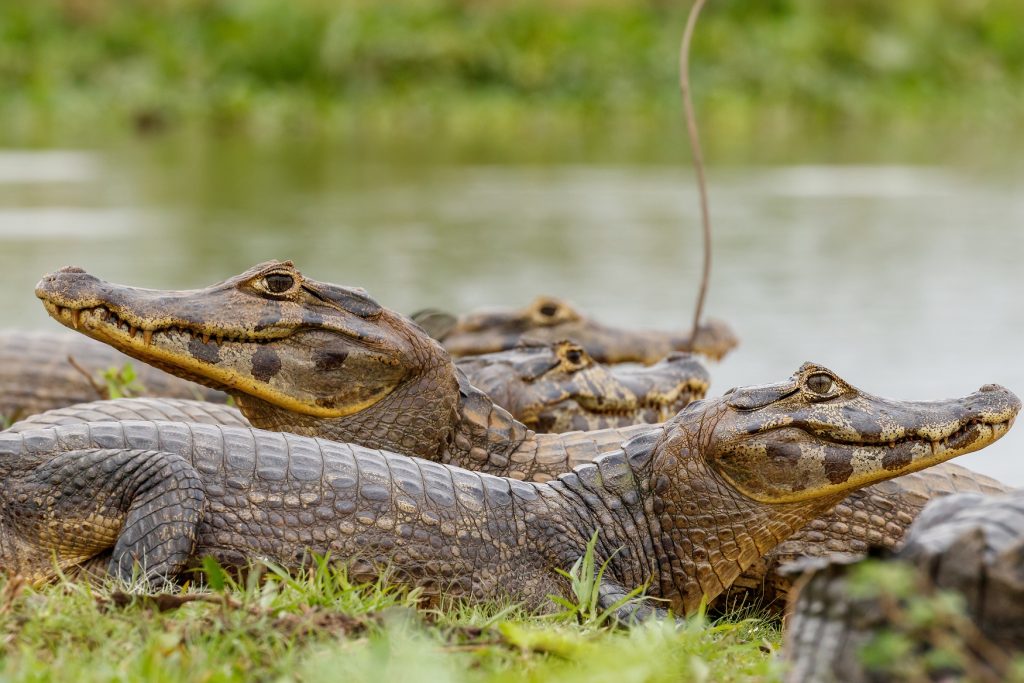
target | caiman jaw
x=156, y=345
x=664, y=405
x=292, y=354
x=817, y=436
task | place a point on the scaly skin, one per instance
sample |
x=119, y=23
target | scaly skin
x=550, y=388
x=548, y=319
x=559, y=388
x=36, y=374
x=969, y=543
x=875, y=517
x=318, y=359
x=417, y=414
x=685, y=508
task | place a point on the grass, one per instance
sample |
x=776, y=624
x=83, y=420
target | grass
x=415, y=69
x=322, y=627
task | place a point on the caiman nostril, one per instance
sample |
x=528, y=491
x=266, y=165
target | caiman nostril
x=992, y=387
x=71, y=269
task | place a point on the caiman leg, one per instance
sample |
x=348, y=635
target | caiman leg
x=78, y=501
x=278, y=496
x=877, y=515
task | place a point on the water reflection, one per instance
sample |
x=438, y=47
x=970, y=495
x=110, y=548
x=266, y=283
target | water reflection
x=905, y=280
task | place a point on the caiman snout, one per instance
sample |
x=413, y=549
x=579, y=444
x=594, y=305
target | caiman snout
x=67, y=284
x=818, y=435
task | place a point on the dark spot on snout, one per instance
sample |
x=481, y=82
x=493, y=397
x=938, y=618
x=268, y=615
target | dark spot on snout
x=328, y=360
x=838, y=468
x=269, y=319
x=897, y=458
x=265, y=363
x=208, y=353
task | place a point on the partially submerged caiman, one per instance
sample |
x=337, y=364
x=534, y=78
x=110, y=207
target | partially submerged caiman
x=322, y=360
x=684, y=508
x=548, y=319
x=44, y=370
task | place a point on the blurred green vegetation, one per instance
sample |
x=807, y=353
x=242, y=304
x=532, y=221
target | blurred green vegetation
x=79, y=69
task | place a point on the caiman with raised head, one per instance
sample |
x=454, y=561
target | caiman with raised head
x=559, y=388
x=684, y=509
x=323, y=360
x=40, y=371
x=548, y=319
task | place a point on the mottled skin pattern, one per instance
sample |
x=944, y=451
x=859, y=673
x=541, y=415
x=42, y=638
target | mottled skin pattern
x=479, y=436
x=548, y=319
x=673, y=507
x=36, y=375
x=559, y=388
x=970, y=543
x=876, y=516
x=318, y=359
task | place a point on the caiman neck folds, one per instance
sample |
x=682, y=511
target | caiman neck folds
x=736, y=475
x=297, y=354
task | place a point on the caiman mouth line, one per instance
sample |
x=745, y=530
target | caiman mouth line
x=105, y=324
x=945, y=441
x=957, y=442
x=693, y=389
x=109, y=318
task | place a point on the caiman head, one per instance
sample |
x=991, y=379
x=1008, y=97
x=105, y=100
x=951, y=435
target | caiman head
x=735, y=475
x=550, y=320
x=291, y=351
x=559, y=387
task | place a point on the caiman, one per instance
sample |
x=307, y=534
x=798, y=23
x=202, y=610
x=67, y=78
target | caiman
x=559, y=388
x=548, y=319
x=322, y=360
x=40, y=371
x=683, y=509
x=970, y=544
x=318, y=359
x=549, y=387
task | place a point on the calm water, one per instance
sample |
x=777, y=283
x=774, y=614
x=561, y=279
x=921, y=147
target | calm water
x=905, y=280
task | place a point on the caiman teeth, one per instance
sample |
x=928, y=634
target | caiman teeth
x=915, y=438
x=110, y=318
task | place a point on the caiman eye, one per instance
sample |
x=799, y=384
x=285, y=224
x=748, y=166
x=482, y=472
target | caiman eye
x=549, y=310
x=278, y=283
x=820, y=383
